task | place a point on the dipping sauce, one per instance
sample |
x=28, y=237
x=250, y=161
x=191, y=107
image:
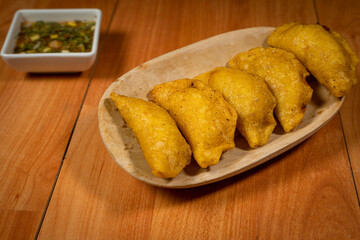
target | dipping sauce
x=55, y=37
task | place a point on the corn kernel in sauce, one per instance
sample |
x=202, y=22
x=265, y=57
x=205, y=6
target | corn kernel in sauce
x=55, y=37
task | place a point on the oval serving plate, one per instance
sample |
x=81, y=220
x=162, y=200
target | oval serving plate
x=188, y=62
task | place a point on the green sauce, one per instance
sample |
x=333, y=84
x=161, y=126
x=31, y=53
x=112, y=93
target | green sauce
x=55, y=37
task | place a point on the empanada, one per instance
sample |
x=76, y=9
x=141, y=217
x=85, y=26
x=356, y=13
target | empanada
x=204, y=77
x=206, y=120
x=285, y=77
x=251, y=98
x=164, y=148
x=325, y=53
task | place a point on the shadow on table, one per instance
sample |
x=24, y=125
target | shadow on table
x=50, y=76
x=109, y=64
x=244, y=185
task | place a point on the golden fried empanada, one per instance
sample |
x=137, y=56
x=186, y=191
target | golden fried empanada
x=285, y=77
x=164, y=148
x=325, y=53
x=206, y=120
x=206, y=76
x=251, y=98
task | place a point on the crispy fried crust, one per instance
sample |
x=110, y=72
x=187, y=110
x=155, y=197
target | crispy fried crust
x=325, y=53
x=206, y=120
x=285, y=76
x=164, y=148
x=251, y=98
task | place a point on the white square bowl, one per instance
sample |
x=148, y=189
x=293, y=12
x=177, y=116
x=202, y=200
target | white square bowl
x=50, y=62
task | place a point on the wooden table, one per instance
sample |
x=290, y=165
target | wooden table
x=57, y=181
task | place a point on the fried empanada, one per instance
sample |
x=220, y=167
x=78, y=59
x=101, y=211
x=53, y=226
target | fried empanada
x=325, y=53
x=285, y=76
x=164, y=148
x=251, y=98
x=206, y=120
x=206, y=76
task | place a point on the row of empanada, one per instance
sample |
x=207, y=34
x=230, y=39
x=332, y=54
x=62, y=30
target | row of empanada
x=258, y=81
x=205, y=119
x=208, y=107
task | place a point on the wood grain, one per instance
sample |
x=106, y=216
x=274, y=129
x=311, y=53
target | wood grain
x=273, y=201
x=349, y=25
x=37, y=115
x=306, y=193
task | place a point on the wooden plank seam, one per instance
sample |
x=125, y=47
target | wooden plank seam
x=341, y=124
x=348, y=155
x=76, y=121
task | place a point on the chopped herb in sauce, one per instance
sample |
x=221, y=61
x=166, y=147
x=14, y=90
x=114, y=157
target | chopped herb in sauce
x=55, y=37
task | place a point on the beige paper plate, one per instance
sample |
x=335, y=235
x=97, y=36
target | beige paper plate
x=188, y=62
